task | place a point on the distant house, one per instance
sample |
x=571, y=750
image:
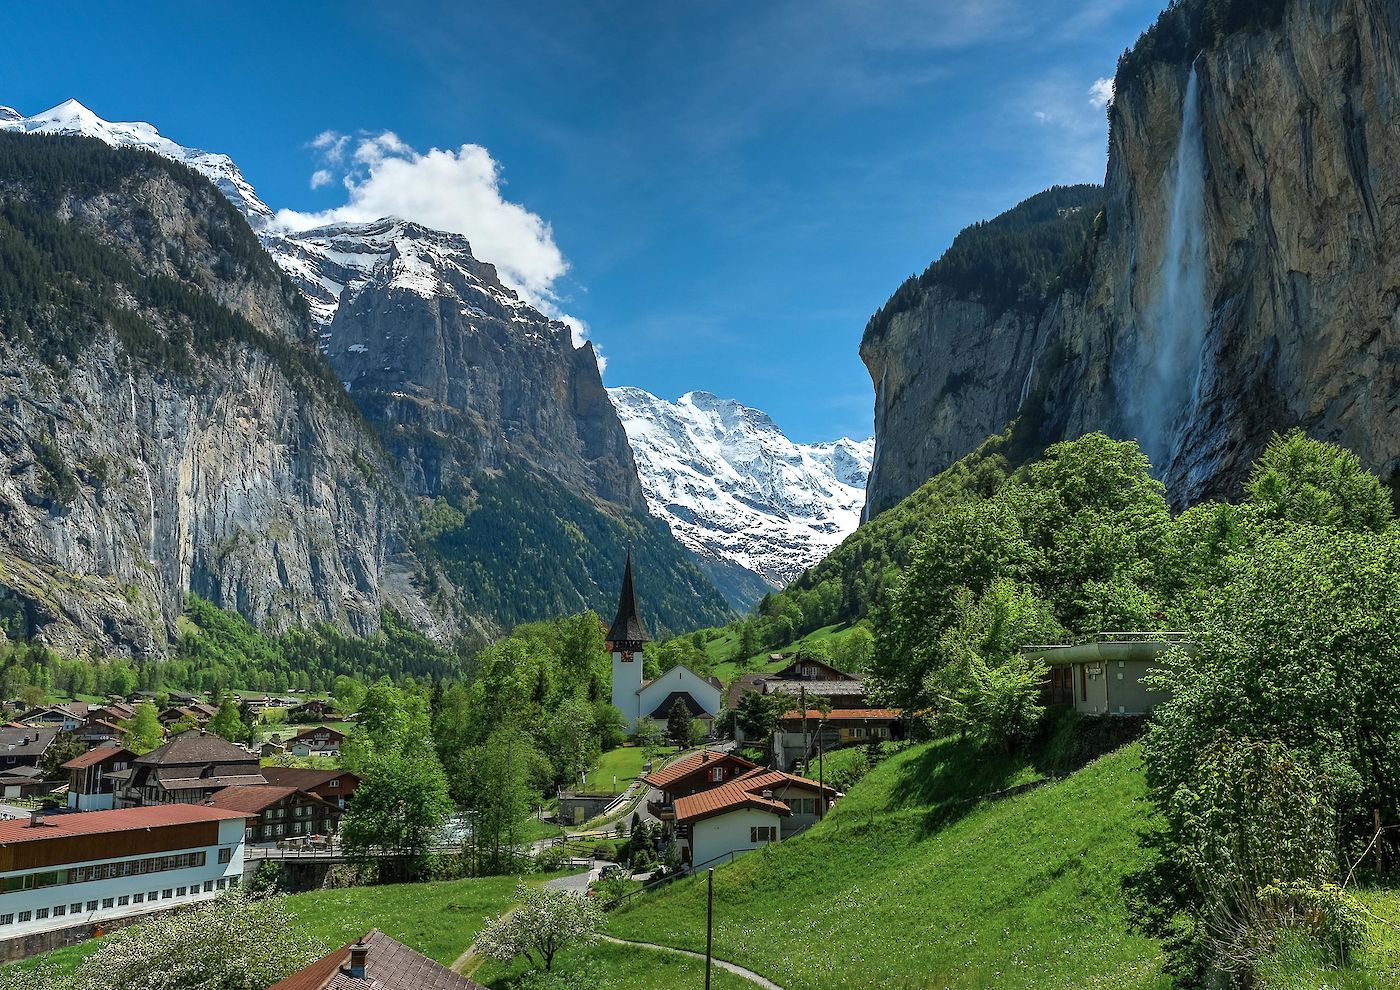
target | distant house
x=91, y=786
x=1105, y=677
x=197, y=712
x=797, y=738
x=23, y=782
x=750, y=811
x=693, y=774
x=312, y=711
x=638, y=698
x=25, y=745
x=278, y=813
x=318, y=740
x=807, y=677
x=375, y=962
x=65, y=717
x=187, y=770
x=335, y=786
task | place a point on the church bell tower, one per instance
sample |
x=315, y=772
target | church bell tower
x=625, y=641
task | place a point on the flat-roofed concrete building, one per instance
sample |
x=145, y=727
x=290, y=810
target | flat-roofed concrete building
x=64, y=876
x=1105, y=676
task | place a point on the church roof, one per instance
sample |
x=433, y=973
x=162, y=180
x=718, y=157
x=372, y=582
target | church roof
x=628, y=627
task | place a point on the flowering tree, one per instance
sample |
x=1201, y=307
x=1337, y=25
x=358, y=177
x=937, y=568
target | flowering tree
x=544, y=922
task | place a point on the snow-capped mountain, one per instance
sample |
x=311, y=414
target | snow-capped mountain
x=71, y=117
x=733, y=487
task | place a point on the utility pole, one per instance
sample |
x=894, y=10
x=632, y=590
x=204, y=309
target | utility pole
x=821, y=777
x=806, y=742
x=709, y=923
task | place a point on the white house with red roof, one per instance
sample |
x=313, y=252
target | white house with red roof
x=638, y=698
x=78, y=872
x=749, y=811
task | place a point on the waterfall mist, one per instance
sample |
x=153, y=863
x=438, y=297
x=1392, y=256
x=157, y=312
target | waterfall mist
x=1170, y=353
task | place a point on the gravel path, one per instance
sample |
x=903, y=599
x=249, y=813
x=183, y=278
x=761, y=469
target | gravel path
x=734, y=968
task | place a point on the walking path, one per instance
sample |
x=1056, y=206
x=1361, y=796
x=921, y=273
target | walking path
x=734, y=968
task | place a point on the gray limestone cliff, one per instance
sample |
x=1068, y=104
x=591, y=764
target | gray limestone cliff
x=1243, y=275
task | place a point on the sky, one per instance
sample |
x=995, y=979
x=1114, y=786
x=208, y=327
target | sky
x=718, y=194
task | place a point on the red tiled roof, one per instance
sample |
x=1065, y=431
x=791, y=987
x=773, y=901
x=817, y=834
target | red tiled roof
x=251, y=798
x=687, y=765
x=842, y=714
x=96, y=755
x=305, y=778
x=759, y=779
x=122, y=820
x=726, y=797
x=389, y=965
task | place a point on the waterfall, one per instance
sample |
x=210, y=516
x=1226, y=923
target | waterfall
x=1171, y=357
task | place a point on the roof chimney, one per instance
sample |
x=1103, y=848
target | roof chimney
x=705, y=756
x=359, y=953
x=36, y=818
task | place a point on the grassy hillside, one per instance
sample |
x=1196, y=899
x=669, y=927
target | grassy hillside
x=908, y=883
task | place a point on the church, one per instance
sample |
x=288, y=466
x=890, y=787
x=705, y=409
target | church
x=638, y=698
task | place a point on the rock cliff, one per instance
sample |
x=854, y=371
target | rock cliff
x=1242, y=277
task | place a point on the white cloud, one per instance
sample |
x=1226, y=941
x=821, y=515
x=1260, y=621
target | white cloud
x=1101, y=92
x=578, y=333
x=458, y=191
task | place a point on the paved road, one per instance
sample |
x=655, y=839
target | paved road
x=578, y=883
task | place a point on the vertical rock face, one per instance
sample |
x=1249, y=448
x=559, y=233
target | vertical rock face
x=1299, y=258
x=210, y=458
x=454, y=369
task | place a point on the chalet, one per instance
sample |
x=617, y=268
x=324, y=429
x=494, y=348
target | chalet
x=311, y=711
x=277, y=813
x=23, y=782
x=318, y=740
x=804, y=677
x=638, y=698
x=196, y=712
x=77, y=874
x=1105, y=677
x=375, y=962
x=65, y=717
x=187, y=770
x=91, y=786
x=750, y=811
x=693, y=774
x=799, y=738
x=25, y=745
x=334, y=786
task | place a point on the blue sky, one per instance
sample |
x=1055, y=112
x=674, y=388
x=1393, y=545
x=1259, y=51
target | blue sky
x=722, y=192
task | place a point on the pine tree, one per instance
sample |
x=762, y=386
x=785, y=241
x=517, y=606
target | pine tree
x=678, y=724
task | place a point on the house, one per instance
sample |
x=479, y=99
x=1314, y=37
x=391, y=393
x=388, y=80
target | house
x=23, y=782
x=65, y=717
x=1105, y=677
x=804, y=677
x=750, y=811
x=276, y=813
x=375, y=962
x=197, y=712
x=638, y=698
x=693, y=774
x=25, y=745
x=318, y=740
x=75, y=873
x=273, y=747
x=186, y=770
x=335, y=786
x=798, y=738
x=311, y=711
x=91, y=786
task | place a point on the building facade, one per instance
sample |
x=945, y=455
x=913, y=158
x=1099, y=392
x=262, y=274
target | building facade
x=276, y=814
x=67, y=871
x=91, y=784
x=1107, y=676
x=188, y=769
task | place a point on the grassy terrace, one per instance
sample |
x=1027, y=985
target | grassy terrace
x=620, y=967
x=624, y=762
x=908, y=884
x=722, y=648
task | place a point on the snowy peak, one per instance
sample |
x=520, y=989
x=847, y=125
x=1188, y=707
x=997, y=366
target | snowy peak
x=72, y=118
x=732, y=486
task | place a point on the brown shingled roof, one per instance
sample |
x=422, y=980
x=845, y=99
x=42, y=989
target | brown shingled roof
x=97, y=755
x=724, y=798
x=252, y=798
x=389, y=965
x=685, y=766
x=846, y=714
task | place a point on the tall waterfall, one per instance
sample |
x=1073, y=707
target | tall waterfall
x=1170, y=355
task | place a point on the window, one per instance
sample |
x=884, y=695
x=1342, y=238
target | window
x=92, y=905
x=181, y=891
x=138, y=898
x=226, y=854
x=107, y=902
x=166, y=894
x=76, y=908
x=41, y=913
x=333, y=783
x=221, y=883
x=208, y=886
x=763, y=833
x=59, y=910
x=123, y=900
x=7, y=919
x=717, y=774
x=25, y=916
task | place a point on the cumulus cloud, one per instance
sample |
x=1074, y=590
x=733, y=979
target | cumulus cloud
x=456, y=190
x=1101, y=93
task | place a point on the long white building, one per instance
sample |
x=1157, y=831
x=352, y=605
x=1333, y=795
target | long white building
x=83, y=871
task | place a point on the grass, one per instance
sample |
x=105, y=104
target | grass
x=533, y=829
x=910, y=883
x=1375, y=966
x=721, y=649
x=623, y=762
x=618, y=967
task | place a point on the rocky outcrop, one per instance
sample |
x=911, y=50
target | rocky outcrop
x=1293, y=115
x=131, y=475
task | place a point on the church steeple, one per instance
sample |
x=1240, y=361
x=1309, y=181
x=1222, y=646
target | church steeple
x=627, y=632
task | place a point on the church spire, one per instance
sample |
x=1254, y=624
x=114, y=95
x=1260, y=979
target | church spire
x=627, y=628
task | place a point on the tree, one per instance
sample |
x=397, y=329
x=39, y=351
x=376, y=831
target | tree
x=227, y=722
x=1301, y=480
x=543, y=923
x=649, y=735
x=757, y=714
x=572, y=740
x=143, y=730
x=400, y=805
x=65, y=746
x=498, y=791
x=678, y=724
x=853, y=651
x=220, y=945
x=610, y=723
